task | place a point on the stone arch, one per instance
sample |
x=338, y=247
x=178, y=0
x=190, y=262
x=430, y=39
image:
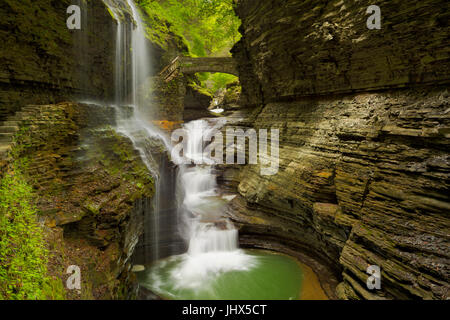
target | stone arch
x=188, y=65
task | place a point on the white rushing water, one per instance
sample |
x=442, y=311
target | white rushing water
x=140, y=61
x=212, y=240
x=132, y=72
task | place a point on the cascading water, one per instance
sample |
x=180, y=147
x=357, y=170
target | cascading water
x=212, y=239
x=186, y=203
x=132, y=74
x=213, y=266
x=208, y=235
x=132, y=62
x=201, y=203
x=140, y=63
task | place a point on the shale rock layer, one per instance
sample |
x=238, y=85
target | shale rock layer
x=364, y=139
x=42, y=61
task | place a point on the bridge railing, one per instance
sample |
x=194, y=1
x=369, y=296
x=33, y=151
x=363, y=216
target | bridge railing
x=171, y=70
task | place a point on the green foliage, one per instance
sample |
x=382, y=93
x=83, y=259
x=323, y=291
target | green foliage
x=213, y=82
x=23, y=253
x=210, y=27
x=158, y=27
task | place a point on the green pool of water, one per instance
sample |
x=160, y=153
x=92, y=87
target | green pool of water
x=248, y=275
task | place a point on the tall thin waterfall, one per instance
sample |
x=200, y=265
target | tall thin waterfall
x=132, y=74
x=132, y=62
x=212, y=239
x=118, y=73
x=140, y=61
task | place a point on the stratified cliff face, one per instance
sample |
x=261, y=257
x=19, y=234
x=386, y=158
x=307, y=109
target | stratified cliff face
x=364, y=139
x=43, y=61
x=92, y=189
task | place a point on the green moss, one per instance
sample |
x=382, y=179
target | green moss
x=92, y=208
x=23, y=253
x=111, y=13
x=159, y=29
x=213, y=82
x=201, y=89
x=208, y=26
x=118, y=157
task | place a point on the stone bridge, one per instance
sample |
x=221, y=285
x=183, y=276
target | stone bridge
x=188, y=65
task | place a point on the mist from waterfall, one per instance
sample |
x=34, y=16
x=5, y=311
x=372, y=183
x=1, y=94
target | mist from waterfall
x=132, y=70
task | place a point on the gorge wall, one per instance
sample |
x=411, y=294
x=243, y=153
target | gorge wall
x=45, y=62
x=364, y=138
x=91, y=190
x=91, y=187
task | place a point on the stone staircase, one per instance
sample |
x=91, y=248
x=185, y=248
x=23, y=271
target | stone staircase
x=8, y=129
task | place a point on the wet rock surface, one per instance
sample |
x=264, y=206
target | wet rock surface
x=91, y=186
x=296, y=48
x=364, y=163
x=180, y=99
x=45, y=62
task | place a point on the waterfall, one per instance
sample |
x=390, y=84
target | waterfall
x=140, y=63
x=132, y=74
x=213, y=240
x=132, y=58
x=201, y=202
x=195, y=211
x=207, y=230
x=118, y=74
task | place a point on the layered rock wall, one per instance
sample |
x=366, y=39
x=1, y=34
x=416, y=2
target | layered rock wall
x=45, y=62
x=364, y=139
x=92, y=190
x=296, y=48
